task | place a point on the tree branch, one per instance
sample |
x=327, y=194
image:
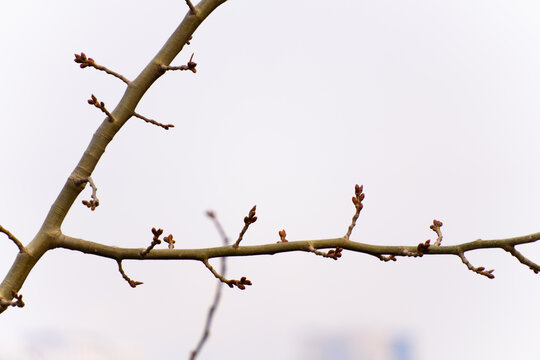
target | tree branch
x=378, y=251
x=13, y=238
x=89, y=62
x=49, y=233
x=217, y=294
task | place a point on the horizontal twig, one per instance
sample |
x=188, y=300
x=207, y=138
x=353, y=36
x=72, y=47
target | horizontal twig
x=114, y=252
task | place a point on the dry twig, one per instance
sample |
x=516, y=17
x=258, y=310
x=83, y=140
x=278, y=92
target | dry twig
x=248, y=220
x=166, y=127
x=357, y=201
x=155, y=241
x=13, y=238
x=217, y=294
x=89, y=62
x=94, y=201
x=100, y=105
x=479, y=270
x=437, y=228
x=241, y=284
x=332, y=254
x=131, y=282
x=191, y=66
x=522, y=259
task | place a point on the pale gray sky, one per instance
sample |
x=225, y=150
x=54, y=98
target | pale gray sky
x=432, y=105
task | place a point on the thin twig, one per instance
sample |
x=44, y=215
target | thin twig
x=241, y=284
x=94, y=201
x=248, y=220
x=100, y=105
x=155, y=241
x=166, y=127
x=479, y=270
x=522, y=259
x=357, y=201
x=131, y=283
x=191, y=66
x=217, y=294
x=437, y=228
x=89, y=62
x=12, y=237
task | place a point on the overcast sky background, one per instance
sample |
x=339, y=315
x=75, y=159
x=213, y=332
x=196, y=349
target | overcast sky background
x=432, y=105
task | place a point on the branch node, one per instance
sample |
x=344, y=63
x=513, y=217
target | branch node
x=94, y=201
x=357, y=201
x=423, y=248
x=12, y=237
x=248, y=220
x=18, y=302
x=192, y=9
x=131, y=282
x=155, y=241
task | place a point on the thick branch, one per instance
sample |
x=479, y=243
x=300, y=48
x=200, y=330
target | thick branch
x=46, y=238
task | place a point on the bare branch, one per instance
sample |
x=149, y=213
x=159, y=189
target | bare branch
x=217, y=294
x=248, y=220
x=18, y=302
x=382, y=252
x=12, y=237
x=131, y=283
x=357, y=201
x=49, y=236
x=241, y=284
x=89, y=62
x=100, y=105
x=166, y=127
x=522, y=259
x=479, y=270
x=191, y=66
